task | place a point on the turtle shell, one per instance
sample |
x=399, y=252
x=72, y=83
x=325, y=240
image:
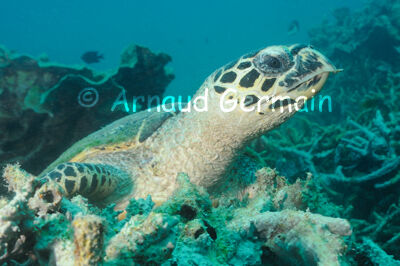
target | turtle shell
x=135, y=128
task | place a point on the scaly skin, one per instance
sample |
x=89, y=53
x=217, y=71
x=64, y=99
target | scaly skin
x=204, y=144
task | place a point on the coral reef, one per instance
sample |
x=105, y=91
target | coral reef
x=364, y=43
x=15, y=229
x=40, y=104
x=353, y=151
x=270, y=223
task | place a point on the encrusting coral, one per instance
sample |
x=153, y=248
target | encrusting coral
x=269, y=223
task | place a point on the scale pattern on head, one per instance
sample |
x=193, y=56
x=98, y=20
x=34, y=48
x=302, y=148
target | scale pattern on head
x=289, y=71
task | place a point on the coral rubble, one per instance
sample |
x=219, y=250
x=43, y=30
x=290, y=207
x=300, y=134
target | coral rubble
x=270, y=223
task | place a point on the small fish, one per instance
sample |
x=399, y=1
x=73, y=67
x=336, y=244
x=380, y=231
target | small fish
x=91, y=57
x=293, y=28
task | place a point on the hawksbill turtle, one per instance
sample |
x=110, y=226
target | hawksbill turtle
x=142, y=153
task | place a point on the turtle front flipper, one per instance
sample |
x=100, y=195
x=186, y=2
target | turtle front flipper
x=93, y=181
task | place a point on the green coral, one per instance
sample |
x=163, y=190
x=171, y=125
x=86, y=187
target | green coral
x=190, y=201
x=51, y=228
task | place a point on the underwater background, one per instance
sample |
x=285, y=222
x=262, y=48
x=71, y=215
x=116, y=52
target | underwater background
x=200, y=36
x=327, y=181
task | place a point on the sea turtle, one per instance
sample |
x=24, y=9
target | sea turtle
x=142, y=153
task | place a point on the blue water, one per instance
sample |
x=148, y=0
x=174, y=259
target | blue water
x=200, y=36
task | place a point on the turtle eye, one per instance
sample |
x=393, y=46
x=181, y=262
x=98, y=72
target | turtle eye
x=272, y=64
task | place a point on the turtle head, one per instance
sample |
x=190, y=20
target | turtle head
x=269, y=85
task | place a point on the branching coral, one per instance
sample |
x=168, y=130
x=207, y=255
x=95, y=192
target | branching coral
x=375, y=254
x=353, y=152
x=370, y=150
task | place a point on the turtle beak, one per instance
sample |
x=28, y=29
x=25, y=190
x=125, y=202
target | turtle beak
x=315, y=56
x=309, y=73
x=311, y=62
x=319, y=68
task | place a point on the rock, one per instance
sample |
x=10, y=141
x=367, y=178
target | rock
x=41, y=113
x=88, y=240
